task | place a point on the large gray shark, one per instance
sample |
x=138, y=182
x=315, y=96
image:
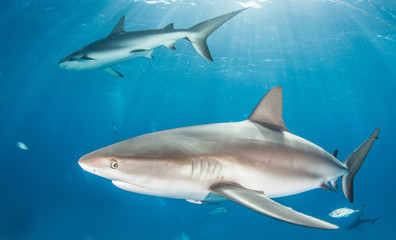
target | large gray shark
x=121, y=46
x=248, y=162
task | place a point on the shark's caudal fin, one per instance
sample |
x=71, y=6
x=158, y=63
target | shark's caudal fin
x=353, y=162
x=375, y=219
x=200, y=32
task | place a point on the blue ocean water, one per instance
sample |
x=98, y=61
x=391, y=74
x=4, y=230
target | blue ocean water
x=334, y=59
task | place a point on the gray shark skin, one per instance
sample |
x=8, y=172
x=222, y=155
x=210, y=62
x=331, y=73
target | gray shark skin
x=247, y=162
x=120, y=46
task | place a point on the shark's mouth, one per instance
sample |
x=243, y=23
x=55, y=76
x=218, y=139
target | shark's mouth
x=91, y=170
x=129, y=187
x=98, y=173
x=83, y=58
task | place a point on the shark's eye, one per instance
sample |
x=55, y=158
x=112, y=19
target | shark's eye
x=113, y=164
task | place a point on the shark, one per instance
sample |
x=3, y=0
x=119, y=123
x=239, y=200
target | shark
x=360, y=221
x=249, y=162
x=120, y=46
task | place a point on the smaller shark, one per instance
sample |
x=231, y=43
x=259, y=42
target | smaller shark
x=358, y=221
x=120, y=46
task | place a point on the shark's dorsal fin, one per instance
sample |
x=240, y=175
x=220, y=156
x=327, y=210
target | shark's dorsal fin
x=169, y=26
x=119, y=28
x=269, y=110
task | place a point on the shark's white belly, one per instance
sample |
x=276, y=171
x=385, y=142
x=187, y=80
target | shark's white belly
x=174, y=190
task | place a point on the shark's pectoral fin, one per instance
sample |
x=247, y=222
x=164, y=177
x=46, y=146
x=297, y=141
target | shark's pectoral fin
x=113, y=72
x=259, y=202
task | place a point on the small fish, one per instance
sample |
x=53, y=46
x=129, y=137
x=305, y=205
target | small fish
x=344, y=212
x=114, y=129
x=217, y=211
x=22, y=146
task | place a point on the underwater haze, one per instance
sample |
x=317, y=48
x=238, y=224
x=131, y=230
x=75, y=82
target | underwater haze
x=336, y=63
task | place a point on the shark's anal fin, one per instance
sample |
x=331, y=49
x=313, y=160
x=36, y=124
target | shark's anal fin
x=113, y=72
x=260, y=203
x=326, y=186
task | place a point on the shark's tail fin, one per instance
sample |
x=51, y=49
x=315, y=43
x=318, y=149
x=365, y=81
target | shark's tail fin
x=359, y=211
x=198, y=33
x=353, y=162
x=374, y=220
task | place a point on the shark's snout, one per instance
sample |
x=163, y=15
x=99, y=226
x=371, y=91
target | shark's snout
x=63, y=60
x=84, y=163
x=97, y=165
x=63, y=63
